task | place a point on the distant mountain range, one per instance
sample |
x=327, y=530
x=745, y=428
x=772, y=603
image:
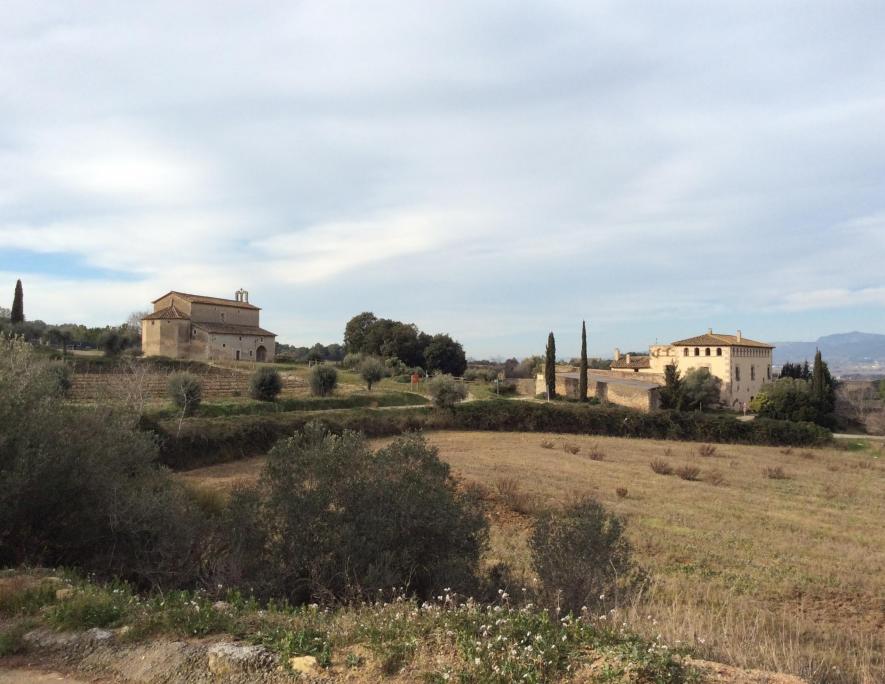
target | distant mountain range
x=853, y=353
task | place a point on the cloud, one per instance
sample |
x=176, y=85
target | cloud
x=488, y=170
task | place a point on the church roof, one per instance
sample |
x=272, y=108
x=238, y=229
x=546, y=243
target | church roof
x=202, y=299
x=233, y=329
x=170, y=313
x=718, y=340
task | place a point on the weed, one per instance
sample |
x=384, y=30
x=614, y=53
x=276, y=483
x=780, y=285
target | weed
x=297, y=642
x=660, y=466
x=571, y=448
x=511, y=494
x=688, y=472
x=621, y=492
x=596, y=454
x=833, y=467
x=546, y=444
x=11, y=641
x=807, y=455
x=19, y=596
x=706, y=450
x=775, y=473
x=787, y=451
x=92, y=607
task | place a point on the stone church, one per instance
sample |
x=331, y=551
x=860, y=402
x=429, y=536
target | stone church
x=200, y=328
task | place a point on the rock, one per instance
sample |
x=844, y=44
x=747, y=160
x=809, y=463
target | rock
x=221, y=606
x=64, y=594
x=303, y=664
x=226, y=658
x=97, y=635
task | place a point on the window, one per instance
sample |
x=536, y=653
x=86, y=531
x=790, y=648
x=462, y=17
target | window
x=250, y=352
x=707, y=351
x=718, y=351
x=241, y=338
x=224, y=345
x=685, y=352
x=752, y=372
x=737, y=373
x=222, y=317
x=768, y=373
x=697, y=352
x=152, y=322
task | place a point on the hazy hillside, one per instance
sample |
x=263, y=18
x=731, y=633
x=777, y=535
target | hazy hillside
x=846, y=353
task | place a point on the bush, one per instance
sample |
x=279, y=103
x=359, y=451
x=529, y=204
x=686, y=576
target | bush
x=706, y=450
x=446, y=391
x=580, y=554
x=372, y=371
x=79, y=486
x=61, y=375
x=323, y=380
x=775, y=473
x=701, y=390
x=352, y=361
x=688, y=472
x=330, y=519
x=714, y=477
x=621, y=492
x=186, y=392
x=660, y=466
x=265, y=384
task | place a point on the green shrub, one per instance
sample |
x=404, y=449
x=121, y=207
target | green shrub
x=80, y=488
x=90, y=607
x=372, y=370
x=186, y=392
x=61, y=375
x=352, y=360
x=265, y=384
x=323, y=380
x=446, y=391
x=329, y=519
x=581, y=554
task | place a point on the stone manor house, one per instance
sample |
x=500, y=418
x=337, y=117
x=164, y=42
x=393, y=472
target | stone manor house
x=200, y=328
x=743, y=366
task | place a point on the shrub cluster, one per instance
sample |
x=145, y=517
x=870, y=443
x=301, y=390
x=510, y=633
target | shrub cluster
x=209, y=440
x=323, y=380
x=446, y=391
x=265, y=384
x=186, y=392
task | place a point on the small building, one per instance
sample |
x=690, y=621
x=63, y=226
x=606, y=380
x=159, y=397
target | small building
x=743, y=365
x=201, y=328
x=637, y=393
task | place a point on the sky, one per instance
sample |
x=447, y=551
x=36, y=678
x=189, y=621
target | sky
x=495, y=170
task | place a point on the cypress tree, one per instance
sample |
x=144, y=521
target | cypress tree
x=550, y=367
x=817, y=377
x=18, y=311
x=822, y=391
x=582, y=388
x=671, y=392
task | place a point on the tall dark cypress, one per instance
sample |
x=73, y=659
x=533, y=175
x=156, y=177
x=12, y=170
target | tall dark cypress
x=18, y=306
x=550, y=367
x=818, y=388
x=582, y=387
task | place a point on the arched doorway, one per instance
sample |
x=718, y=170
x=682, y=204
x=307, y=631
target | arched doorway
x=261, y=354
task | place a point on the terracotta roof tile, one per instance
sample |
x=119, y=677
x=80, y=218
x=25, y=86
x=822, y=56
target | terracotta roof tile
x=233, y=329
x=717, y=340
x=201, y=299
x=170, y=313
x=635, y=362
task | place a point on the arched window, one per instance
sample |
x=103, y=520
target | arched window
x=737, y=373
x=707, y=351
x=697, y=352
x=752, y=372
x=718, y=351
x=684, y=351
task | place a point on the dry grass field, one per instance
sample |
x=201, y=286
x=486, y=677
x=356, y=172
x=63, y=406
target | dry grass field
x=772, y=558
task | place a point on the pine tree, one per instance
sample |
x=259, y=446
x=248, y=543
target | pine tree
x=582, y=388
x=550, y=367
x=18, y=311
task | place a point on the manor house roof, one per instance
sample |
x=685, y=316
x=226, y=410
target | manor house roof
x=202, y=299
x=631, y=361
x=718, y=340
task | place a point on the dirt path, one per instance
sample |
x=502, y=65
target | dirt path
x=26, y=675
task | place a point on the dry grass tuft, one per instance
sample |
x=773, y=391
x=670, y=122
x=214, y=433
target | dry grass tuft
x=714, y=477
x=688, y=472
x=775, y=473
x=571, y=448
x=787, y=451
x=807, y=455
x=706, y=450
x=511, y=494
x=621, y=492
x=595, y=453
x=660, y=466
x=546, y=444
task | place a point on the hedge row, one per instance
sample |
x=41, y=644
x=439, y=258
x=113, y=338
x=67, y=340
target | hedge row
x=204, y=441
x=237, y=408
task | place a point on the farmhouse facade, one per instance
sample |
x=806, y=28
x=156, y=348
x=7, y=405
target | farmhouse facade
x=201, y=328
x=743, y=365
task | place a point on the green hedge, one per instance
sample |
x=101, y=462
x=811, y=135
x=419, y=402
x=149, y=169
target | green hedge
x=237, y=408
x=203, y=441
